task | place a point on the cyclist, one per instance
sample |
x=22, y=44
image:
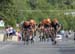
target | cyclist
x=33, y=29
x=40, y=30
x=47, y=27
x=55, y=24
x=26, y=31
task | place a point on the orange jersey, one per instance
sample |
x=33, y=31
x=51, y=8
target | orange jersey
x=32, y=22
x=46, y=21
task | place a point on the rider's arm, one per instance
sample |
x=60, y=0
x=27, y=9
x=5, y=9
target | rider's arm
x=59, y=27
x=23, y=27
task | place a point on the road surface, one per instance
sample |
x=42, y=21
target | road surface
x=66, y=46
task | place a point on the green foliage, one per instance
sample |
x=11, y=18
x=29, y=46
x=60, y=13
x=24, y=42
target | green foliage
x=14, y=11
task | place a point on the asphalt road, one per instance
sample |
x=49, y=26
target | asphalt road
x=65, y=46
